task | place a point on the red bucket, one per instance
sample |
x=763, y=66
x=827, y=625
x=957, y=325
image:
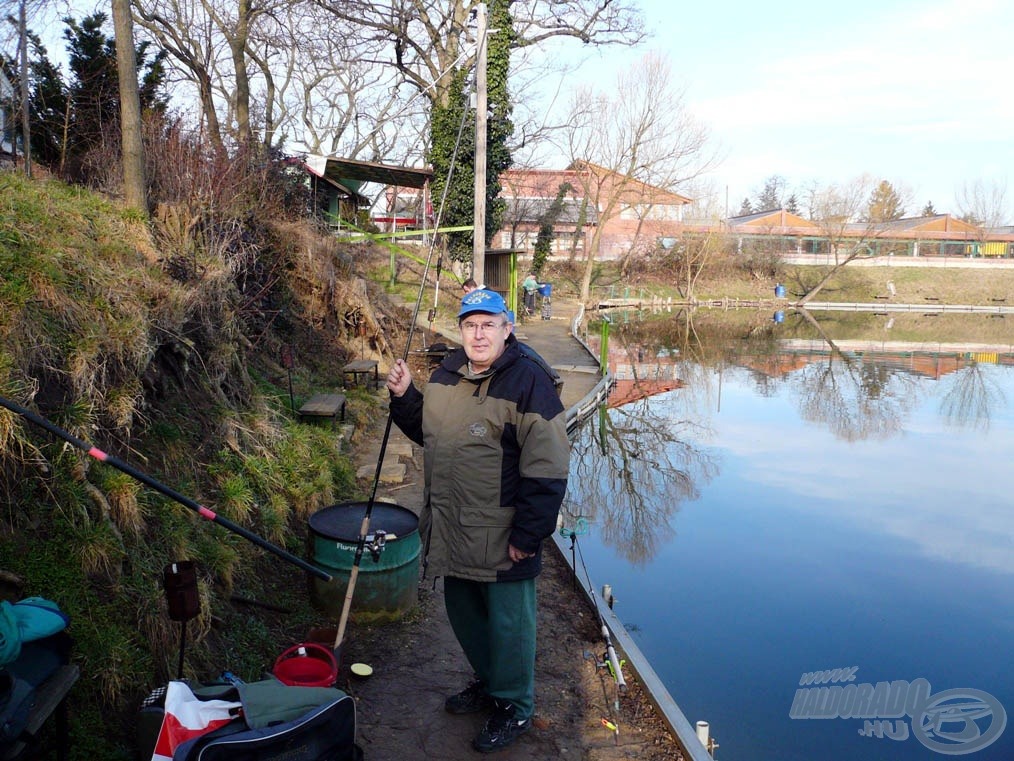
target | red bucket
x=307, y=665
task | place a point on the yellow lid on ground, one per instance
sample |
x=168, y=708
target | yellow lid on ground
x=361, y=669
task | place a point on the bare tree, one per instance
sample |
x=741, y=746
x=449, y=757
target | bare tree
x=428, y=41
x=984, y=204
x=630, y=143
x=23, y=11
x=186, y=31
x=688, y=256
x=837, y=210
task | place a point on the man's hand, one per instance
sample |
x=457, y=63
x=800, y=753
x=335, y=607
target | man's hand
x=517, y=555
x=400, y=378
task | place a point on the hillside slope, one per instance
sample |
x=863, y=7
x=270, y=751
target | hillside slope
x=163, y=345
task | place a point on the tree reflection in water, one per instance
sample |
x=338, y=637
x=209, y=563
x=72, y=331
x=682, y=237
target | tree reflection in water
x=855, y=399
x=971, y=398
x=635, y=466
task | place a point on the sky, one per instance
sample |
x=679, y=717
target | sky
x=916, y=93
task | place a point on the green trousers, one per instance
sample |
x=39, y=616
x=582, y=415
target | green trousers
x=495, y=625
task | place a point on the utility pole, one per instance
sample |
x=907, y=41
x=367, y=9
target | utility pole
x=479, y=233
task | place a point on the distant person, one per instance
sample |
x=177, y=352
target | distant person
x=470, y=285
x=530, y=286
x=496, y=454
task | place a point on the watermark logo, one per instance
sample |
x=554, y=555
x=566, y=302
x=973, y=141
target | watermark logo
x=953, y=722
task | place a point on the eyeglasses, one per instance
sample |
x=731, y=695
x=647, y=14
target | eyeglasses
x=481, y=327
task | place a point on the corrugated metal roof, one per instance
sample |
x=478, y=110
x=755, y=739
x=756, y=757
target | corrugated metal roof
x=352, y=173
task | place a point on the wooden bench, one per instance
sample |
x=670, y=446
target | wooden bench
x=363, y=367
x=51, y=697
x=324, y=405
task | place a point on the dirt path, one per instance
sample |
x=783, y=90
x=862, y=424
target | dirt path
x=417, y=663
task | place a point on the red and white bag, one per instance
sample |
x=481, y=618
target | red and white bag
x=187, y=717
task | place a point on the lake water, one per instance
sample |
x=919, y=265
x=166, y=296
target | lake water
x=821, y=494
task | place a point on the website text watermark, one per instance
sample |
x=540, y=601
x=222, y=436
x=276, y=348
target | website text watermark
x=952, y=722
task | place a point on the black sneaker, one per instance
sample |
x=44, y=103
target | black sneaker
x=501, y=729
x=472, y=699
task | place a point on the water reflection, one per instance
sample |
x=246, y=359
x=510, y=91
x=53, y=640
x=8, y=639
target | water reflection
x=631, y=470
x=825, y=492
x=857, y=389
x=640, y=461
x=971, y=398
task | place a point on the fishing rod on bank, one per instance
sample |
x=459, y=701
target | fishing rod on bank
x=610, y=660
x=158, y=486
x=364, y=527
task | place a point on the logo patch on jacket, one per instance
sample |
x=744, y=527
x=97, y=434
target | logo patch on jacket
x=478, y=430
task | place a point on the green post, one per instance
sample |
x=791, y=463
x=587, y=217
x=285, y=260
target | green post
x=394, y=265
x=604, y=347
x=512, y=280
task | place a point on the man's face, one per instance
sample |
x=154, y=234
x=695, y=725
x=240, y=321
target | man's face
x=484, y=337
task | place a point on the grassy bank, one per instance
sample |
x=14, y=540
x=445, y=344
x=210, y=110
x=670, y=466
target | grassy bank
x=913, y=285
x=169, y=355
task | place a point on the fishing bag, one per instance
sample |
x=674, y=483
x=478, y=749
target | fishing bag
x=276, y=722
x=324, y=734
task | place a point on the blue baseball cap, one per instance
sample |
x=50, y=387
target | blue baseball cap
x=482, y=300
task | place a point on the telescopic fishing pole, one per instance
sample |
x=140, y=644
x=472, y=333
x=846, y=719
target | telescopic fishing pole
x=364, y=527
x=611, y=660
x=158, y=486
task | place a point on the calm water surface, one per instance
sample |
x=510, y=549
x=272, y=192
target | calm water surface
x=801, y=506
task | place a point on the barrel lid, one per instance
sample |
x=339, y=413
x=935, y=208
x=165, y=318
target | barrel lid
x=344, y=520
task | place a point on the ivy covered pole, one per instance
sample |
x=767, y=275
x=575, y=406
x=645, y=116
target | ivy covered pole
x=447, y=116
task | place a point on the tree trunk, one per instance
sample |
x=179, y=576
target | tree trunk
x=135, y=191
x=824, y=280
x=237, y=45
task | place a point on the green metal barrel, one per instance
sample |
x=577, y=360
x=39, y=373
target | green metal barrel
x=386, y=588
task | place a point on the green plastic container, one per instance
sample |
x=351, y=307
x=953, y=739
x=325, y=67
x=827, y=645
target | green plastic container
x=386, y=589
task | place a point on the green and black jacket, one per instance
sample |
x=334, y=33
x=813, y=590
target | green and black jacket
x=496, y=462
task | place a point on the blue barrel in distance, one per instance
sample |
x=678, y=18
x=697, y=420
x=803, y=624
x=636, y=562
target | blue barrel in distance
x=779, y=291
x=546, y=289
x=779, y=317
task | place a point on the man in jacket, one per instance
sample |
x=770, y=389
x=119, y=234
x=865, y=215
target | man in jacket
x=496, y=460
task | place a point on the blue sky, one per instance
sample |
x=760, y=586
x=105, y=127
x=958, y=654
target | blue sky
x=917, y=93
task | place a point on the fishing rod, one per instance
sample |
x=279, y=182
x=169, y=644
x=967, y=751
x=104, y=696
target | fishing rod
x=364, y=527
x=158, y=486
x=610, y=659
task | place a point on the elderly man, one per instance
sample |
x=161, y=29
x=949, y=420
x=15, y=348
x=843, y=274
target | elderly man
x=496, y=461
